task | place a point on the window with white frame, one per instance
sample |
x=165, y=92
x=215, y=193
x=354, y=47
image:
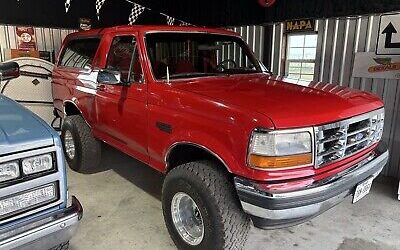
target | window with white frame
x=300, y=57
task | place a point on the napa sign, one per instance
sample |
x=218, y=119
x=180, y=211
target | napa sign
x=300, y=25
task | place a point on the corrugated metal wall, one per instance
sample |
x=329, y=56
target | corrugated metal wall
x=254, y=36
x=338, y=41
x=47, y=39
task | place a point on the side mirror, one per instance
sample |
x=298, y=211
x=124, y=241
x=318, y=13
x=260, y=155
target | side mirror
x=9, y=71
x=111, y=77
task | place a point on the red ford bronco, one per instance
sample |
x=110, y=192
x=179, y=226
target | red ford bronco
x=236, y=144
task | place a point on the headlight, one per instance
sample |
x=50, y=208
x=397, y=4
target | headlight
x=274, y=150
x=37, y=164
x=377, y=124
x=27, y=200
x=9, y=171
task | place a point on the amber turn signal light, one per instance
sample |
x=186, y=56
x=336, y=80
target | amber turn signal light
x=275, y=162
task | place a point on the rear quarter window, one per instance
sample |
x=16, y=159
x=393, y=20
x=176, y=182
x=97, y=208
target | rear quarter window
x=79, y=53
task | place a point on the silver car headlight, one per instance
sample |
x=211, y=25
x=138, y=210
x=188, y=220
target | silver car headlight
x=281, y=149
x=37, y=164
x=9, y=171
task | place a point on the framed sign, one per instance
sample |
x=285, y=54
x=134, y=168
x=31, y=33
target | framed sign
x=369, y=65
x=26, y=38
x=389, y=35
x=300, y=25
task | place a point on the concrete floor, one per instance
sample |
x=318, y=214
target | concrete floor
x=123, y=211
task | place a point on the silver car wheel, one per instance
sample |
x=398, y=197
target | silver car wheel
x=69, y=144
x=187, y=219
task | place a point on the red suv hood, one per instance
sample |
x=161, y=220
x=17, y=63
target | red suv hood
x=288, y=105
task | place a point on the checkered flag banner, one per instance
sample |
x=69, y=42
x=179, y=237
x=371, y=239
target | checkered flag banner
x=170, y=20
x=136, y=11
x=184, y=23
x=99, y=4
x=67, y=5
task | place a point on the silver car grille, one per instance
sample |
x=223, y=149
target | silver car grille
x=25, y=183
x=339, y=140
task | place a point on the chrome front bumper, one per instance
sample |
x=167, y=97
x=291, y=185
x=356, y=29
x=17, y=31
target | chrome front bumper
x=45, y=232
x=277, y=210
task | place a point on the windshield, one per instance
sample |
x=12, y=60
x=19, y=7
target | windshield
x=185, y=55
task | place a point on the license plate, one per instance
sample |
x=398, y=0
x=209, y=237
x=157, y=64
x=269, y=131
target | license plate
x=362, y=190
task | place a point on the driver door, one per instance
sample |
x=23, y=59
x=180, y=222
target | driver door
x=122, y=108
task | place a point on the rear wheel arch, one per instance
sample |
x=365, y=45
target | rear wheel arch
x=70, y=108
x=184, y=152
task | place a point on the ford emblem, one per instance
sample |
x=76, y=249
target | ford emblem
x=359, y=136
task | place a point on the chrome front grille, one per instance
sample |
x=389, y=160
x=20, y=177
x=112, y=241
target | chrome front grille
x=25, y=183
x=338, y=140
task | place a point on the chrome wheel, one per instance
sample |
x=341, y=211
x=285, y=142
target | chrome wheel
x=187, y=219
x=69, y=144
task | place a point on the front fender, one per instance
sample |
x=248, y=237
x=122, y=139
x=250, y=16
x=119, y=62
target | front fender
x=207, y=143
x=216, y=146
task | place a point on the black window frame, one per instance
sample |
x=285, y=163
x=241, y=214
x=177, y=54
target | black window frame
x=136, y=51
x=60, y=61
x=303, y=60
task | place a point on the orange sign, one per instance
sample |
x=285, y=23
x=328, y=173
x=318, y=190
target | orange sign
x=15, y=53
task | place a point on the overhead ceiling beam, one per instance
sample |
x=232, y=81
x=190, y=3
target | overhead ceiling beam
x=51, y=13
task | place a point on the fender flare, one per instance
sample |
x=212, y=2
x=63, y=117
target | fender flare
x=211, y=152
x=73, y=103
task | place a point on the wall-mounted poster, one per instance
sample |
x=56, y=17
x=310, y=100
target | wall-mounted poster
x=85, y=24
x=26, y=38
x=369, y=65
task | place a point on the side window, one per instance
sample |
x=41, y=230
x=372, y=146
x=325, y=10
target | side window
x=301, y=53
x=80, y=53
x=232, y=56
x=124, y=57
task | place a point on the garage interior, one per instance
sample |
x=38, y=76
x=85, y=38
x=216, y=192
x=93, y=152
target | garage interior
x=122, y=198
x=124, y=212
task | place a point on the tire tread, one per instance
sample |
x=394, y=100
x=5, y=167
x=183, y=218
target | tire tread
x=235, y=222
x=63, y=246
x=90, y=147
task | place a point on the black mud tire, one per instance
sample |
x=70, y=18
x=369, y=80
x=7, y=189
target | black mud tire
x=63, y=246
x=226, y=226
x=87, y=148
